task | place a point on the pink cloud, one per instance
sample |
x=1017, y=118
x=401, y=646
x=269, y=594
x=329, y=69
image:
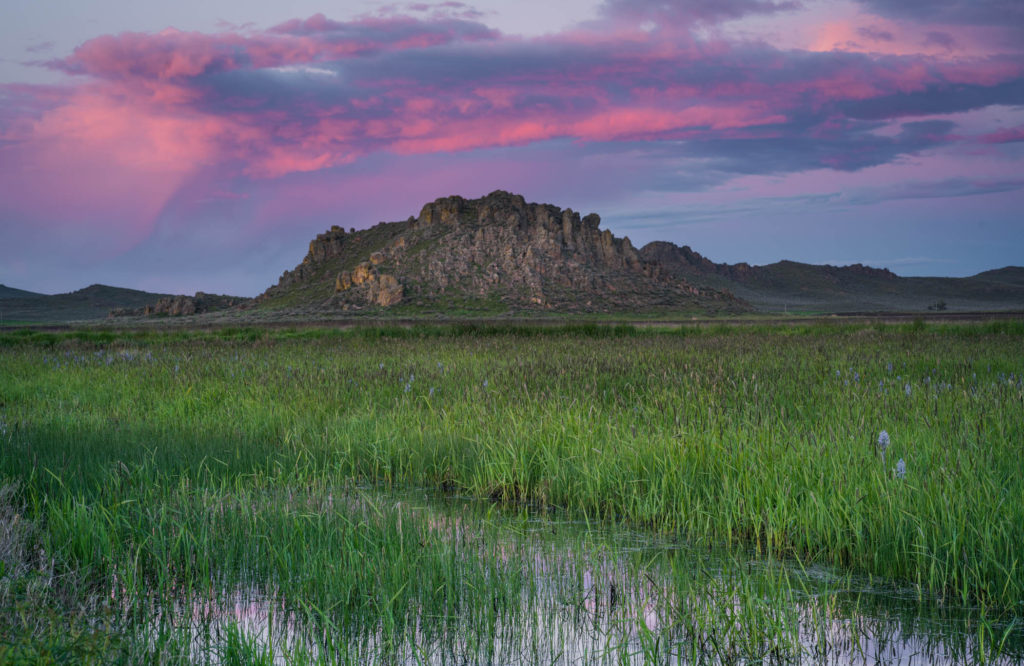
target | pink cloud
x=861, y=32
x=173, y=55
x=1008, y=135
x=95, y=160
x=178, y=114
x=169, y=55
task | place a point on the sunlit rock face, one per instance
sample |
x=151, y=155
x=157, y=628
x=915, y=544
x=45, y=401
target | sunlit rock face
x=498, y=249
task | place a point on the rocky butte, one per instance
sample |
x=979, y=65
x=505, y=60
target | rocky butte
x=497, y=252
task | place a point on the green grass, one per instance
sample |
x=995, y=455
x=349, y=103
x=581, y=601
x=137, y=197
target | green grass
x=160, y=464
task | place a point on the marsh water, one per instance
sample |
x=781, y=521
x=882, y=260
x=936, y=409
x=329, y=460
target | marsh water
x=584, y=593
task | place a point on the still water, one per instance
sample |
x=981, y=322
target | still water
x=592, y=594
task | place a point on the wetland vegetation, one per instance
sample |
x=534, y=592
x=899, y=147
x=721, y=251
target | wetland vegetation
x=454, y=494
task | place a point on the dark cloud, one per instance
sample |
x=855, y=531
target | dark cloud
x=1001, y=20
x=852, y=147
x=702, y=162
x=1003, y=13
x=940, y=39
x=935, y=98
x=875, y=34
x=387, y=30
x=42, y=46
x=686, y=12
x=456, y=9
x=940, y=189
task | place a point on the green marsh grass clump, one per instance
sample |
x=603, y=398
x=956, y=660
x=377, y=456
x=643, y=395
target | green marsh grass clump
x=150, y=450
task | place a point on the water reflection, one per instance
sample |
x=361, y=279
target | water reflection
x=590, y=595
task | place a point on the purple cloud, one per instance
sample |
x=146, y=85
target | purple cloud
x=955, y=12
x=940, y=39
x=875, y=34
x=1009, y=135
x=686, y=12
x=41, y=46
x=315, y=93
x=941, y=189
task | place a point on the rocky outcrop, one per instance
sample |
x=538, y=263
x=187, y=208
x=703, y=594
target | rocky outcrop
x=177, y=306
x=367, y=284
x=174, y=306
x=498, y=249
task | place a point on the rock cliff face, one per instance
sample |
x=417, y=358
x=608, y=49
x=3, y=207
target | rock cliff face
x=497, y=250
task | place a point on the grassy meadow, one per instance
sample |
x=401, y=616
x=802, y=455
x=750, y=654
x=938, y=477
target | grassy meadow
x=150, y=480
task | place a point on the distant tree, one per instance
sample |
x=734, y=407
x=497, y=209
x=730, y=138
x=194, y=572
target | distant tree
x=938, y=306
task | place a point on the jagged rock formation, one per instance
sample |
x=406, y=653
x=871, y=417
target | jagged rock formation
x=176, y=306
x=499, y=251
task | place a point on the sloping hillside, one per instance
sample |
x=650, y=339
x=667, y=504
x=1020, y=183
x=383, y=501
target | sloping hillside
x=794, y=286
x=93, y=302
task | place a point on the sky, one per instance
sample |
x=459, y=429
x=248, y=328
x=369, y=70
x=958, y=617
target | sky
x=200, y=145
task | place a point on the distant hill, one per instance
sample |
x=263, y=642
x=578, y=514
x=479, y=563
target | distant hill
x=493, y=254
x=1008, y=275
x=11, y=292
x=794, y=286
x=92, y=302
